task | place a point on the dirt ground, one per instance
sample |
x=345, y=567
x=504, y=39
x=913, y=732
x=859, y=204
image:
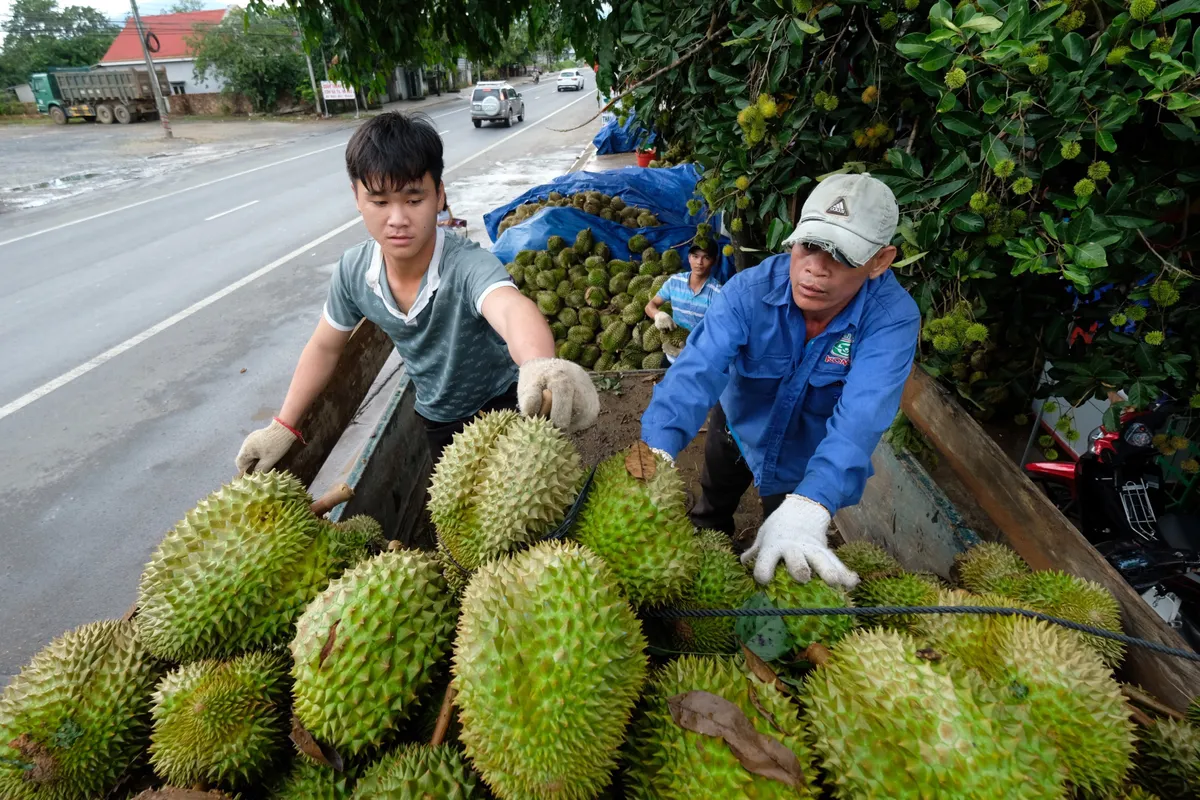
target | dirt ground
x=623, y=398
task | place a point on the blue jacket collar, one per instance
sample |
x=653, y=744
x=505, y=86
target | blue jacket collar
x=780, y=294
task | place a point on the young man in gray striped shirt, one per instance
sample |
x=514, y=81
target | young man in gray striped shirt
x=470, y=341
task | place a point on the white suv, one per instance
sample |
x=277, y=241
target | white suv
x=570, y=79
x=496, y=101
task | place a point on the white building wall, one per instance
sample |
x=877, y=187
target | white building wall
x=179, y=71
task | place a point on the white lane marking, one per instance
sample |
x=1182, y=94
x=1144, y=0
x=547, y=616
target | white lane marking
x=230, y=211
x=134, y=341
x=169, y=194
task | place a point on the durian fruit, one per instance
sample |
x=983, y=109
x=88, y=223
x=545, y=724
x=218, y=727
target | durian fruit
x=366, y=646
x=308, y=780
x=784, y=592
x=419, y=772
x=548, y=663
x=672, y=261
x=891, y=725
x=1168, y=759
x=220, y=722
x=584, y=241
x=867, y=559
x=668, y=762
x=895, y=590
x=555, y=245
x=639, y=526
x=1077, y=600
x=654, y=360
x=77, y=716
x=506, y=480
x=990, y=567
x=720, y=582
x=222, y=581
x=1136, y=793
x=1070, y=696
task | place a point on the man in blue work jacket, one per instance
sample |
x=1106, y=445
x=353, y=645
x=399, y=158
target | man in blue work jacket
x=808, y=353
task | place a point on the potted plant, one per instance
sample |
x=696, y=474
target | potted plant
x=645, y=154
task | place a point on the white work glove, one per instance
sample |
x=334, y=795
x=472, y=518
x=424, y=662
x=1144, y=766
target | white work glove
x=574, y=404
x=663, y=321
x=263, y=448
x=662, y=453
x=796, y=534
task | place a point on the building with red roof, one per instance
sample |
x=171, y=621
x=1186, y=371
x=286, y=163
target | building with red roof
x=169, y=33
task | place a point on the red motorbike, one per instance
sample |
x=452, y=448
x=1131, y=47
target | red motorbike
x=1114, y=493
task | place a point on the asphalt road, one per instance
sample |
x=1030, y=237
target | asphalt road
x=148, y=329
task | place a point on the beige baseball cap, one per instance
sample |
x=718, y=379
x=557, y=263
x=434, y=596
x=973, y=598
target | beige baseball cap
x=852, y=217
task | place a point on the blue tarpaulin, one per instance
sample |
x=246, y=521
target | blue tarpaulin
x=617, y=138
x=664, y=191
x=567, y=222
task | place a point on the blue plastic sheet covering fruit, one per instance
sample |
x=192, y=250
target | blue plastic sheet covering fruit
x=617, y=138
x=664, y=191
x=567, y=222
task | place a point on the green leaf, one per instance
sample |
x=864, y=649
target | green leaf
x=910, y=260
x=1075, y=46
x=806, y=26
x=968, y=222
x=913, y=45
x=1112, y=418
x=982, y=24
x=964, y=123
x=1048, y=224
x=636, y=18
x=722, y=77
x=909, y=163
x=1088, y=256
x=1141, y=39
x=941, y=11
x=948, y=103
x=933, y=192
x=938, y=58
x=1106, y=141
x=948, y=168
x=767, y=637
x=995, y=151
x=779, y=229
x=1178, y=9
x=993, y=105
x=1141, y=394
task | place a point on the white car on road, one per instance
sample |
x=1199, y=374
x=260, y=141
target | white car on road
x=570, y=79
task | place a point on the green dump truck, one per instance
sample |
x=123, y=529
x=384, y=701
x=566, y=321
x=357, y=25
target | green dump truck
x=102, y=95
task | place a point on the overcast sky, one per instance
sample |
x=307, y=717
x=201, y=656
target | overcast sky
x=113, y=9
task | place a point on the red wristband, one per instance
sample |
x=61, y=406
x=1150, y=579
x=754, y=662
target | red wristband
x=292, y=430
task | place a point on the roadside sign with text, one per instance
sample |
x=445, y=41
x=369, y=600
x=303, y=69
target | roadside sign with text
x=332, y=90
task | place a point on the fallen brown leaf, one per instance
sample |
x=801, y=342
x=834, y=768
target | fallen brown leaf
x=761, y=709
x=640, y=463
x=706, y=713
x=817, y=653
x=308, y=744
x=172, y=793
x=330, y=640
x=760, y=668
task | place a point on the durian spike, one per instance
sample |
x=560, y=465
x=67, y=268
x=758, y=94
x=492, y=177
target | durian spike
x=331, y=499
x=443, y=718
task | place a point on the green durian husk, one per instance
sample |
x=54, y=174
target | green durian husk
x=889, y=724
x=1168, y=759
x=308, y=780
x=894, y=590
x=1077, y=600
x=990, y=567
x=503, y=482
x=548, y=663
x=867, y=559
x=222, y=581
x=220, y=723
x=77, y=716
x=784, y=592
x=720, y=582
x=420, y=772
x=366, y=647
x=667, y=762
x=641, y=530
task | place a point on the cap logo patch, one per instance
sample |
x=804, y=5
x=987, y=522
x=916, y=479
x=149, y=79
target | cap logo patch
x=838, y=208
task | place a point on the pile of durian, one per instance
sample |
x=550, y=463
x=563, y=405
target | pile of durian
x=595, y=304
x=598, y=204
x=274, y=654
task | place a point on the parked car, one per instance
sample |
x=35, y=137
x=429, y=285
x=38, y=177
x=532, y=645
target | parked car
x=496, y=101
x=570, y=79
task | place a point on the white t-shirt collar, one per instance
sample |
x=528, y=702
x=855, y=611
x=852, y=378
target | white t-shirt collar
x=428, y=287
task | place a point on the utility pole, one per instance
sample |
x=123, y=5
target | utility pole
x=159, y=100
x=311, y=76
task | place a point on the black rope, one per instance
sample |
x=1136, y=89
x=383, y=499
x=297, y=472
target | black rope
x=880, y=611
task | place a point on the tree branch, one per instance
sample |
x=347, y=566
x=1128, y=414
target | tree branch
x=689, y=54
